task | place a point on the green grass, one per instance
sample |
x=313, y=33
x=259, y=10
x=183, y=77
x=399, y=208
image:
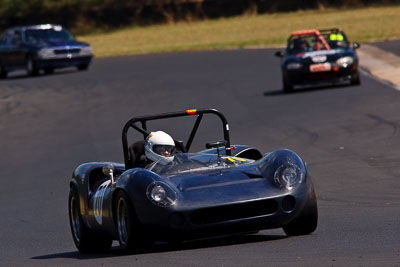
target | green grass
x=361, y=25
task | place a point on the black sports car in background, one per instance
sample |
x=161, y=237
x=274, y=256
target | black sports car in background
x=318, y=57
x=39, y=47
x=222, y=190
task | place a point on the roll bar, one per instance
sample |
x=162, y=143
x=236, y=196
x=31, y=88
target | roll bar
x=189, y=112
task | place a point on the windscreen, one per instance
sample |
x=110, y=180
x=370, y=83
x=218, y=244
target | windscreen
x=199, y=162
x=56, y=34
x=311, y=42
x=304, y=43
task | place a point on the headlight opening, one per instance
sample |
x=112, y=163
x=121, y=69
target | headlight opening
x=293, y=66
x=345, y=61
x=87, y=50
x=46, y=53
x=288, y=176
x=161, y=194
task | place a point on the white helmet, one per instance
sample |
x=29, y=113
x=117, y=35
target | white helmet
x=159, y=146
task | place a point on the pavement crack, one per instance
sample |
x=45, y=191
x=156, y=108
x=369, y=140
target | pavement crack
x=380, y=120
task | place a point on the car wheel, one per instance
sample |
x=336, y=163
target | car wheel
x=85, y=240
x=48, y=70
x=83, y=67
x=355, y=79
x=307, y=221
x=3, y=72
x=130, y=233
x=287, y=87
x=31, y=67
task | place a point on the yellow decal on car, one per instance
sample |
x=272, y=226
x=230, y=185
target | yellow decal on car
x=233, y=159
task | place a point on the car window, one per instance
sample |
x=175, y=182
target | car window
x=311, y=42
x=7, y=39
x=16, y=38
x=36, y=35
x=3, y=40
x=298, y=44
x=304, y=43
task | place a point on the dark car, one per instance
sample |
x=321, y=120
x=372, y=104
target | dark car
x=222, y=190
x=39, y=47
x=319, y=57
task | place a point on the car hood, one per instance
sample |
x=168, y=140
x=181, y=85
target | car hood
x=195, y=181
x=228, y=186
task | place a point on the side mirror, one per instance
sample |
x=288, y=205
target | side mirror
x=108, y=170
x=216, y=144
x=356, y=45
x=279, y=54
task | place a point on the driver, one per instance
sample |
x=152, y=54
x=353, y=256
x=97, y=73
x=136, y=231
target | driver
x=300, y=45
x=159, y=146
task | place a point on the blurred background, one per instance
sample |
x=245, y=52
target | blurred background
x=91, y=15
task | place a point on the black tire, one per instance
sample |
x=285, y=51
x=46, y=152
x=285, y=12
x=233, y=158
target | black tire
x=287, y=87
x=131, y=235
x=85, y=240
x=83, y=67
x=3, y=72
x=31, y=67
x=355, y=79
x=307, y=221
x=48, y=70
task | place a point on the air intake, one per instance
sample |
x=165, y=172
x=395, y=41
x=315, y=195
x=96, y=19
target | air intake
x=234, y=212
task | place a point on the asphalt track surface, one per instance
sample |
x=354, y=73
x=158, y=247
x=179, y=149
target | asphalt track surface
x=392, y=46
x=349, y=135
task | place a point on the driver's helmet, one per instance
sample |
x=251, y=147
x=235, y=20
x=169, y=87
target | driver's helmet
x=159, y=146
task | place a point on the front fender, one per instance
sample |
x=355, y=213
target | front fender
x=80, y=179
x=135, y=182
x=273, y=160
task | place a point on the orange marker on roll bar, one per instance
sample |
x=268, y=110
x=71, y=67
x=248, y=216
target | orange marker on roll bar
x=191, y=111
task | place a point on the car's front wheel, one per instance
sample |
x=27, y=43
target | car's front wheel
x=48, y=70
x=355, y=79
x=85, y=240
x=287, y=87
x=3, y=72
x=130, y=233
x=83, y=67
x=307, y=221
x=31, y=66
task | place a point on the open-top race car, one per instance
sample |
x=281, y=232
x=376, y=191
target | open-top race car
x=319, y=57
x=222, y=190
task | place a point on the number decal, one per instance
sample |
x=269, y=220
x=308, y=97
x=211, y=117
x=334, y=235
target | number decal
x=98, y=201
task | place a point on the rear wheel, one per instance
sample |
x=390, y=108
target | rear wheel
x=130, y=233
x=31, y=67
x=85, y=240
x=307, y=221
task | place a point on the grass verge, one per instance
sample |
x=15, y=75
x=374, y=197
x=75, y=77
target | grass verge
x=361, y=25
